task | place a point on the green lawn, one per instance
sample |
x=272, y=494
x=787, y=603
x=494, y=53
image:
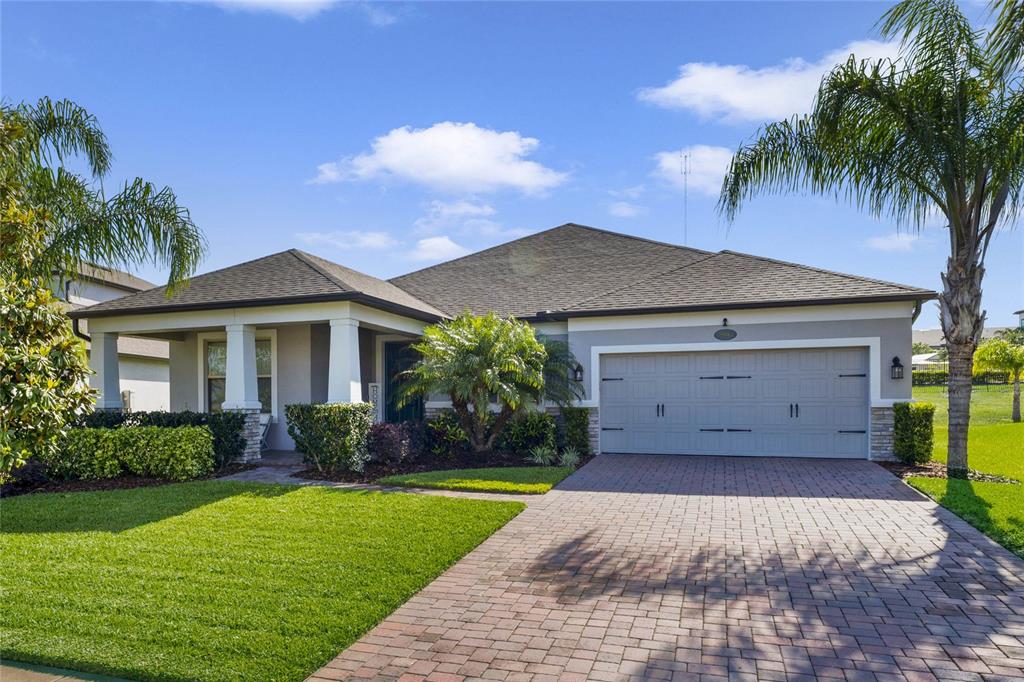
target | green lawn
x=523, y=480
x=217, y=580
x=995, y=446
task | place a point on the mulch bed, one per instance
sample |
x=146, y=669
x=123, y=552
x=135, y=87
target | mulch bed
x=938, y=470
x=374, y=471
x=39, y=484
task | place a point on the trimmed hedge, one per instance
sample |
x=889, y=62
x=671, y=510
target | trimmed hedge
x=939, y=377
x=332, y=436
x=228, y=428
x=577, y=428
x=526, y=431
x=912, y=432
x=171, y=453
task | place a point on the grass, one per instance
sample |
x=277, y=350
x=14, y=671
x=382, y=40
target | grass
x=521, y=480
x=218, y=580
x=995, y=446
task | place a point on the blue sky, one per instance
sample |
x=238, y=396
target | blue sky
x=389, y=136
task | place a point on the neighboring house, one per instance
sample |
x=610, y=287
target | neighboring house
x=681, y=350
x=144, y=362
x=1020, y=318
x=936, y=339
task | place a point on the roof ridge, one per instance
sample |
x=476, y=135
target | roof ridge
x=635, y=282
x=306, y=258
x=639, y=239
x=858, y=278
x=537, y=234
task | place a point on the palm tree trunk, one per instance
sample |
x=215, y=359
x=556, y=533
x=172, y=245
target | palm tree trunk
x=962, y=323
x=1016, y=397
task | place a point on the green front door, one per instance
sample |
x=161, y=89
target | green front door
x=398, y=357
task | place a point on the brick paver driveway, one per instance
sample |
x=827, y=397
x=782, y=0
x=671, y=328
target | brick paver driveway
x=653, y=567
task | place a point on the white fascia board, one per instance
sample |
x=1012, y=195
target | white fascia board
x=261, y=316
x=811, y=313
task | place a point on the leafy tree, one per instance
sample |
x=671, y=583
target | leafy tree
x=42, y=362
x=473, y=359
x=939, y=131
x=52, y=221
x=80, y=223
x=921, y=348
x=1005, y=354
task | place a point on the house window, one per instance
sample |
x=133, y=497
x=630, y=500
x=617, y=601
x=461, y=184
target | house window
x=216, y=366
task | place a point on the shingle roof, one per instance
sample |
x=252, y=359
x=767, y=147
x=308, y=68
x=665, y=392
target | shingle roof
x=550, y=270
x=730, y=279
x=112, y=277
x=577, y=270
x=287, y=277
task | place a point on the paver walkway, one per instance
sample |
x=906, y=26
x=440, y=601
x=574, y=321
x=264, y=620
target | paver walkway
x=654, y=567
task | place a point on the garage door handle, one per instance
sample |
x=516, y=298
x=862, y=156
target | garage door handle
x=791, y=410
x=612, y=428
x=798, y=410
x=718, y=430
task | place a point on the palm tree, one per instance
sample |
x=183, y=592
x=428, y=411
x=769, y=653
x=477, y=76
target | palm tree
x=473, y=360
x=937, y=132
x=80, y=223
x=1005, y=354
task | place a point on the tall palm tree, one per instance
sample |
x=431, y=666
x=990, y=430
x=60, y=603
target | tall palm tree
x=80, y=223
x=937, y=132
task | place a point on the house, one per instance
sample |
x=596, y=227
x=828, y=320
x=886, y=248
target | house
x=144, y=366
x=681, y=350
x=1020, y=318
x=937, y=340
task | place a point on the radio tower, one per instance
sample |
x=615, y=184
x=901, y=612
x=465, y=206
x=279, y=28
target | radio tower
x=684, y=169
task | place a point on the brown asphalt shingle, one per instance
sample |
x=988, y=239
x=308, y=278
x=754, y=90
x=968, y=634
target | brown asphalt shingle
x=736, y=279
x=550, y=270
x=288, y=277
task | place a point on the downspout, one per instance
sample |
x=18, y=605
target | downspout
x=918, y=306
x=78, y=331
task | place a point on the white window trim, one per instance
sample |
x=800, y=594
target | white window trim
x=202, y=338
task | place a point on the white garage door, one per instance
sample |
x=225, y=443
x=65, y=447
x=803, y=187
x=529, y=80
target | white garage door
x=780, y=403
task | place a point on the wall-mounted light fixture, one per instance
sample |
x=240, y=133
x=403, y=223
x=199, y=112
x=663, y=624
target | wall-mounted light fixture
x=577, y=373
x=896, y=371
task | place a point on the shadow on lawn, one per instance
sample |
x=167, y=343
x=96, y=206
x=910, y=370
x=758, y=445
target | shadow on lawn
x=961, y=499
x=114, y=511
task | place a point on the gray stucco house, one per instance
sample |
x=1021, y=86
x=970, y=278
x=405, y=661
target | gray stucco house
x=682, y=351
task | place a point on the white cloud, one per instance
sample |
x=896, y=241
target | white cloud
x=350, y=239
x=897, y=241
x=436, y=249
x=443, y=214
x=707, y=168
x=633, y=192
x=624, y=209
x=454, y=157
x=736, y=92
x=302, y=10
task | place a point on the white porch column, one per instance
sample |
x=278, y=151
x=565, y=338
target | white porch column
x=107, y=379
x=240, y=389
x=344, y=383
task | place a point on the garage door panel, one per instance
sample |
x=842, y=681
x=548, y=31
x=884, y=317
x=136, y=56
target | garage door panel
x=703, y=403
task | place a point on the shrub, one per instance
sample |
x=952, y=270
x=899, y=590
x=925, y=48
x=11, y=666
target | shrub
x=570, y=457
x=171, y=453
x=912, y=432
x=395, y=443
x=526, y=431
x=938, y=377
x=445, y=437
x=542, y=455
x=577, y=428
x=227, y=427
x=332, y=436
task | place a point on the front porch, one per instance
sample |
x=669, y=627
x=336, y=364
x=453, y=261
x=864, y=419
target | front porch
x=258, y=359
